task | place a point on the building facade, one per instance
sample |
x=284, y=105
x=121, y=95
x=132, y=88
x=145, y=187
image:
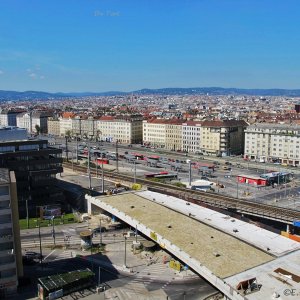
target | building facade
x=273, y=142
x=124, y=129
x=33, y=120
x=222, y=137
x=174, y=135
x=10, y=243
x=9, y=117
x=154, y=132
x=35, y=165
x=65, y=125
x=54, y=126
x=191, y=136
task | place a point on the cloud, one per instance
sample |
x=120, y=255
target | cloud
x=32, y=75
x=42, y=77
x=1, y=72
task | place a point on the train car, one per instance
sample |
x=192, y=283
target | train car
x=101, y=161
x=166, y=176
x=138, y=156
x=151, y=175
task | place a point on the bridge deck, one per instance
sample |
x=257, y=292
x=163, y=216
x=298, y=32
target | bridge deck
x=197, y=239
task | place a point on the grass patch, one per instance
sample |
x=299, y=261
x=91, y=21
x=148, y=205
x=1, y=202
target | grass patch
x=33, y=222
x=179, y=184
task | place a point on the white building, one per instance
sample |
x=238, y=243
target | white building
x=8, y=117
x=32, y=120
x=65, y=123
x=191, y=136
x=124, y=129
x=273, y=142
x=155, y=132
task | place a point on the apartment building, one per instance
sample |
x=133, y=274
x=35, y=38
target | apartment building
x=54, y=126
x=191, y=136
x=65, y=123
x=174, y=135
x=35, y=165
x=154, y=132
x=222, y=137
x=88, y=127
x=9, y=117
x=273, y=142
x=32, y=120
x=10, y=243
x=124, y=129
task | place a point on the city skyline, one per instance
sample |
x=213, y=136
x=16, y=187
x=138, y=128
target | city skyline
x=94, y=46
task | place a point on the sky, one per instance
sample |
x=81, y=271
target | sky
x=125, y=45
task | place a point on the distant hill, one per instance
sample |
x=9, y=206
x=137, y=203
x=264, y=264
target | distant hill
x=35, y=95
x=220, y=91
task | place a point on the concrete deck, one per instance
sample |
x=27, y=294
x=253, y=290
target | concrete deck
x=221, y=253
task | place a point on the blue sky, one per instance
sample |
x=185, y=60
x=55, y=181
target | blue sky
x=103, y=45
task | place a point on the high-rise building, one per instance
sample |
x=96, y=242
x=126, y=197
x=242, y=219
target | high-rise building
x=35, y=165
x=10, y=244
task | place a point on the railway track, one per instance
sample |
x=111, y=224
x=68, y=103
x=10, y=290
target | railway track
x=281, y=214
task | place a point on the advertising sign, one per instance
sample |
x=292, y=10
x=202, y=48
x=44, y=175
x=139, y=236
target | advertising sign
x=47, y=212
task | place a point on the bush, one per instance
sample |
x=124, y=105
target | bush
x=179, y=184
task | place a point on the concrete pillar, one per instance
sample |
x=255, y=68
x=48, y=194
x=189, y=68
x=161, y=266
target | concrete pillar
x=89, y=207
x=288, y=228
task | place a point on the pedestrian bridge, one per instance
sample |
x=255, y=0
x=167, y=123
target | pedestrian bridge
x=219, y=248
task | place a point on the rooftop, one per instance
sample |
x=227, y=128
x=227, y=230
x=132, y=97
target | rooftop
x=4, y=176
x=199, y=240
x=55, y=282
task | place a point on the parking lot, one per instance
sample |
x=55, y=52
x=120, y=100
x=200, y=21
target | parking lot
x=224, y=176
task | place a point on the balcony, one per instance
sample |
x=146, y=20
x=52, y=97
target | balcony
x=4, y=211
x=4, y=197
x=7, y=265
x=9, y=278
x=6, y=237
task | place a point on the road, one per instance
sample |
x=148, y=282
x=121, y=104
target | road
x=145, y=277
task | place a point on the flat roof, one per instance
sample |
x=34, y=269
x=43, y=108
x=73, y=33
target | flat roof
x=200, y=241
x=55, y=282
x=263, y=239
x=279, y=276
x=252, y=177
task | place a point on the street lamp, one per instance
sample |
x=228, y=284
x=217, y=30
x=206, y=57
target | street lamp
x=190, y=171
x=102, y=173
x=53, y=230
x=125, y=239
x=89, y=167
x=41, y=253
x=100, y=231
x=134, y=178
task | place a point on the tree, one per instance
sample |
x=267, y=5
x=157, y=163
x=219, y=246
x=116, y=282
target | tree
x=37, y=129
x=68, y=133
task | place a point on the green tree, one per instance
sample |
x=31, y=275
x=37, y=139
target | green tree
x=37, y=129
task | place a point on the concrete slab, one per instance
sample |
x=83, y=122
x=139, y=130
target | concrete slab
x=221, y=253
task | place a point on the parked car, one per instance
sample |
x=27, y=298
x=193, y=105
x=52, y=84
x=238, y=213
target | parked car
x=32, y=255
x=98, y=230
x=226, y=168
